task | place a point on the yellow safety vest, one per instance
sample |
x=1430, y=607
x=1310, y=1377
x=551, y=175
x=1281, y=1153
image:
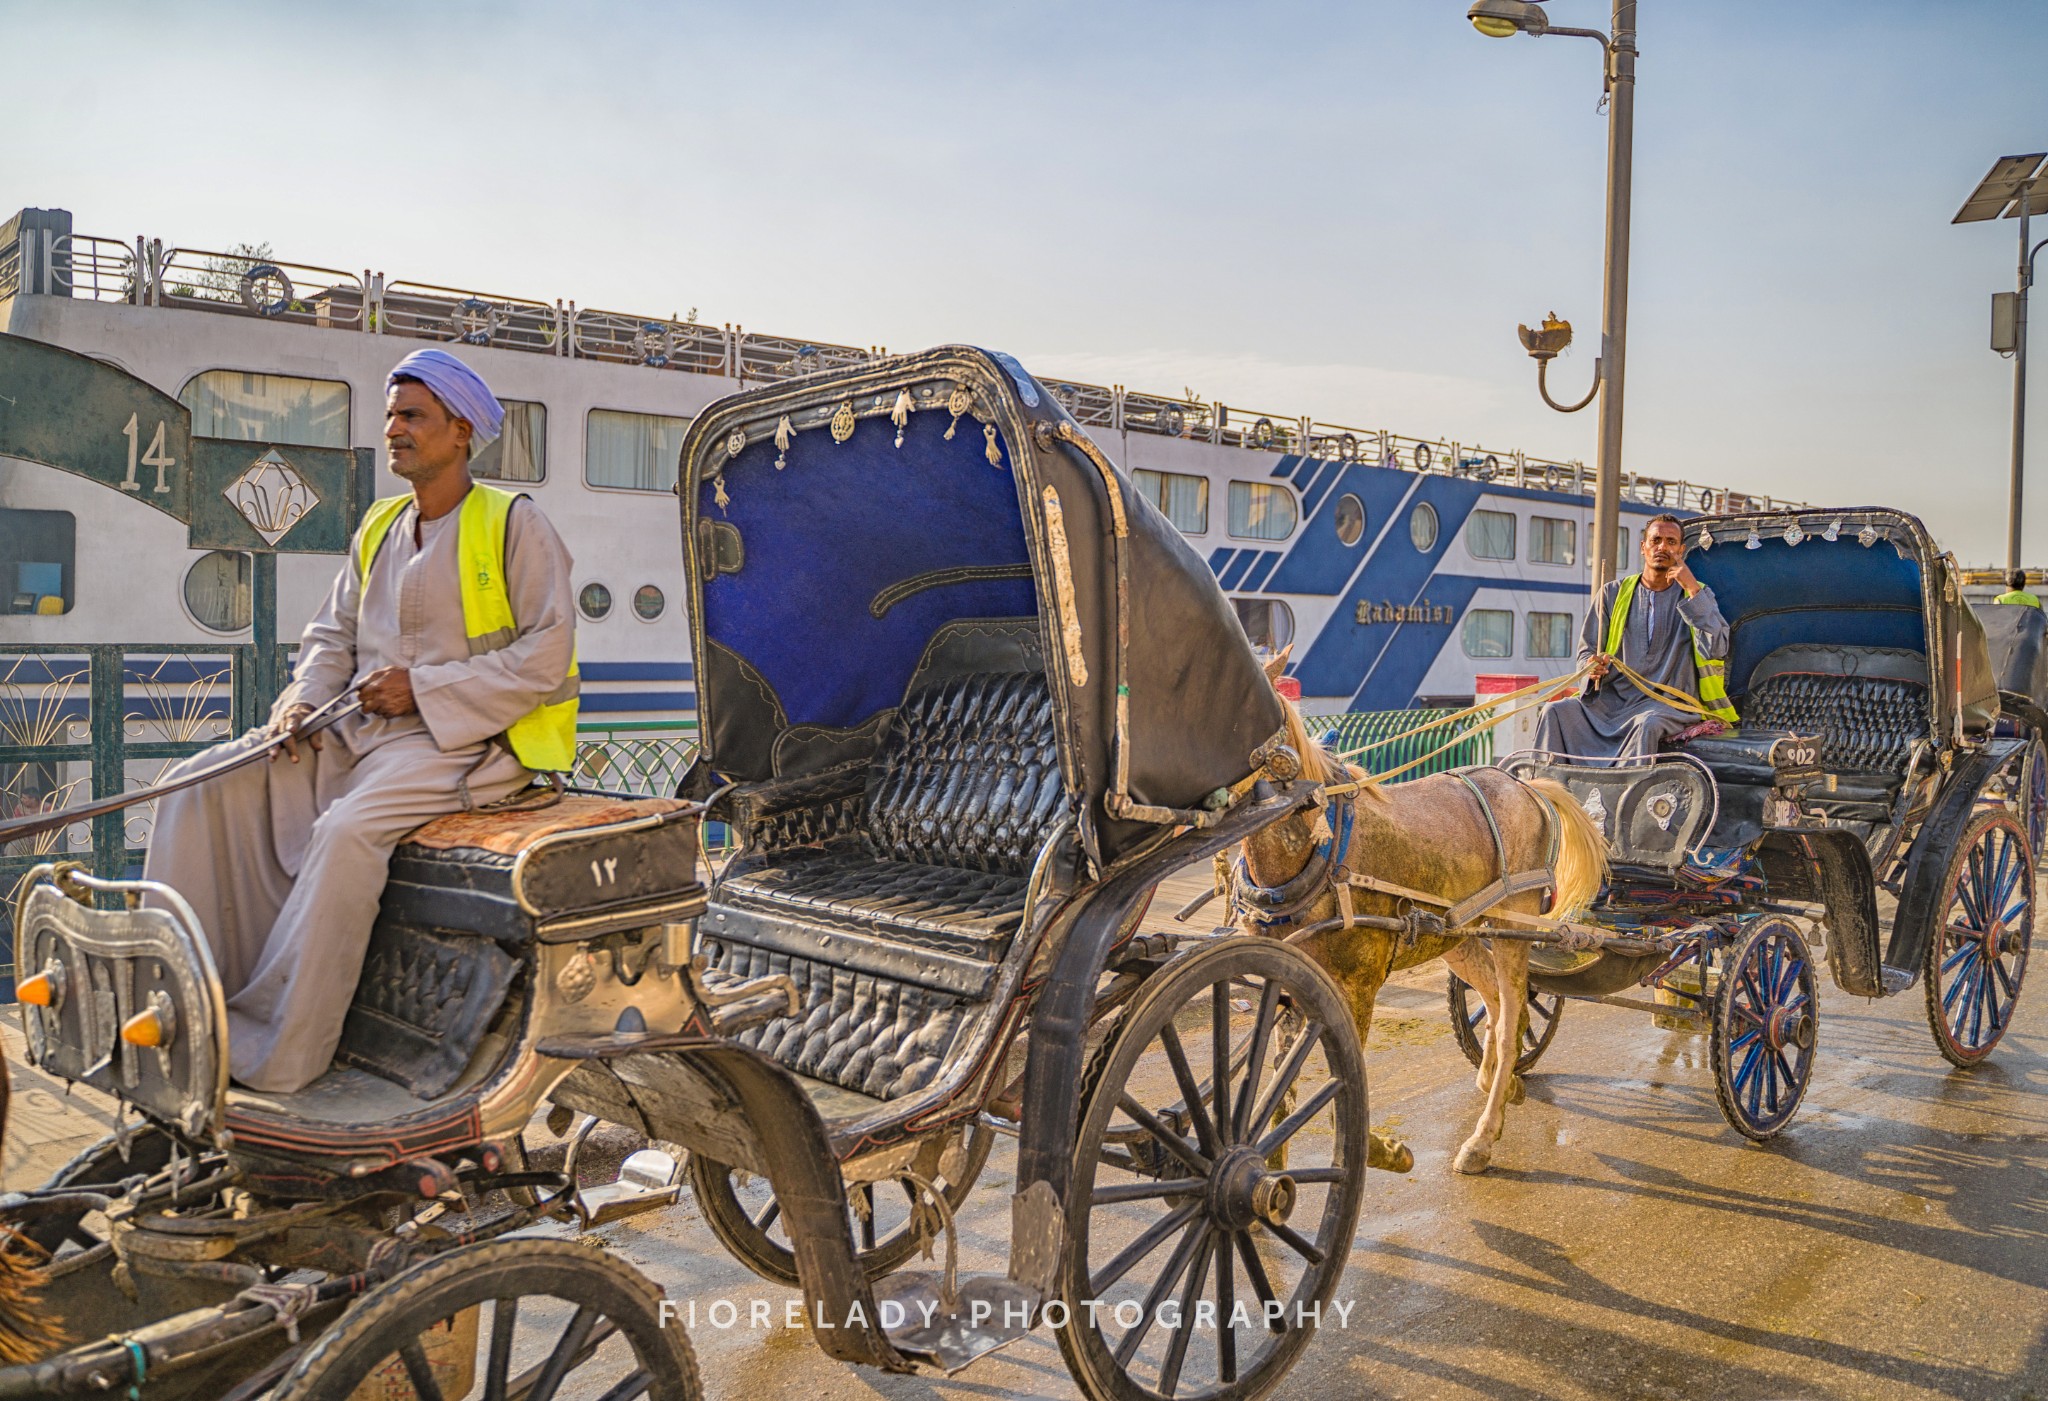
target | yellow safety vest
x=2018, y=596
x=1712, y=676
x=545, y=737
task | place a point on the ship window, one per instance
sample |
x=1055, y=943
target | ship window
x=38, y=560
x=1489, y=632
x=1553, y=541
x=1268, y=622
x=1182, y=499
x=1621, y=543
x=633, y=451
x=267, y=408
x=595, y=600
x=1491, y=535
x=1550, y=635
x=520, y=451
x=1350, y=519
x=648, y=602
x=218, y=590
x=1261, y=511
x=1422, y=527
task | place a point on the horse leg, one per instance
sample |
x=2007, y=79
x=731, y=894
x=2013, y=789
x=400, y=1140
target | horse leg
x=1382, y=1150
x=1510, y=981
x=1470, y=961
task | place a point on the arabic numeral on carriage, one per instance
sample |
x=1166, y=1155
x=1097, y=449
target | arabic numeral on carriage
x=154, y=457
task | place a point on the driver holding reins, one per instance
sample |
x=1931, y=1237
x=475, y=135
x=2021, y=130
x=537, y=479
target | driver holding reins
x=1664, y=625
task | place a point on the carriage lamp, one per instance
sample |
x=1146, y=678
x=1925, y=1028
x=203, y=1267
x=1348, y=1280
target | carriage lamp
x=1497, y=19
x=45, y=989
x=154, y=1026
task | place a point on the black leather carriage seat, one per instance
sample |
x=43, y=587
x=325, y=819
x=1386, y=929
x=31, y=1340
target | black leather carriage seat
x=1866, y=705
x=896, y=913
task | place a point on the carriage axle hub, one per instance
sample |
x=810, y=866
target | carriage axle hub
x=1242, y=1191
x=1789, y=1026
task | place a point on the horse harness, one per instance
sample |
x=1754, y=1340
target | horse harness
x=1328, y=866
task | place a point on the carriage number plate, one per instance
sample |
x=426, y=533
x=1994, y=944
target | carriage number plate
x=1794, y=755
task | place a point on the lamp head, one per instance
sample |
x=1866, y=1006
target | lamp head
x=1497, y=19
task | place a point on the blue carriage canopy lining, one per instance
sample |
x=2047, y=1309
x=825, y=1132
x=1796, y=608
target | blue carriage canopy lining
x=859, y=533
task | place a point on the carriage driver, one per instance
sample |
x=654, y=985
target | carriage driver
x=1664, y=624
x=452, y=622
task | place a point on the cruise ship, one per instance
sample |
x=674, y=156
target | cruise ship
x=1400, y=569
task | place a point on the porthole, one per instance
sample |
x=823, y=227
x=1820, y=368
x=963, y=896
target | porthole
x=595, y=601
x=218, y=590
x=1350, y=519
x=1422, y=527
x=649, y=601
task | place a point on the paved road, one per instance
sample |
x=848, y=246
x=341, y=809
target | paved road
x=1893, y=1243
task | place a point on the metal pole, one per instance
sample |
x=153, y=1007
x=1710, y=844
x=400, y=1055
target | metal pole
x=1621, y=114
x=2019, y=390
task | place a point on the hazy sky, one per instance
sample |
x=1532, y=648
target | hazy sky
x=1336, y=209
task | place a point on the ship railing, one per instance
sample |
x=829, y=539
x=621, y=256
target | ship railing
x=465, y=316
x=244, y=284
x=1169, y=418
x=10, y=270
x=624, y=339
x=80, y=265
x=1092, y=405
x=762, y=358
x=1255, y=429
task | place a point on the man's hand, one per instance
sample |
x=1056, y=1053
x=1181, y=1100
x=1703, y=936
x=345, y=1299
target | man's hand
x=287, y=725
x=387, y=691
x=1686, y=581
x=1602, y=663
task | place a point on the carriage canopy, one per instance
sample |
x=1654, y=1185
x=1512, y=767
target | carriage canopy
x=851, y=537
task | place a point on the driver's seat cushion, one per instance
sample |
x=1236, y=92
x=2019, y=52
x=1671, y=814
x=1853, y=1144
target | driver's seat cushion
x=894, y=931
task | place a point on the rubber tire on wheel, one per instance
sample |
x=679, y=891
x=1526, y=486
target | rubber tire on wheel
x=398, y=1311
x=1537, y=1034
x=1991, y=859
x=1763, y=1051
x=752, y=1245
x=2033, y=796
x=1207, y=972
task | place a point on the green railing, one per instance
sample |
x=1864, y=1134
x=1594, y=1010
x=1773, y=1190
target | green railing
x=1366, y=726
x=635, y=756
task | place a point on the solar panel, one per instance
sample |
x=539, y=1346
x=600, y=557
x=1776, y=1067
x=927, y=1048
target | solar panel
x=2002, y=186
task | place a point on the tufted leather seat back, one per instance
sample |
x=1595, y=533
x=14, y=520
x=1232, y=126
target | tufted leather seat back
x=968, y=775
x=1865, y=723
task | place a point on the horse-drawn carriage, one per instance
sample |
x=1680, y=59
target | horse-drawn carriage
x=957, y=767
x=1883, y=750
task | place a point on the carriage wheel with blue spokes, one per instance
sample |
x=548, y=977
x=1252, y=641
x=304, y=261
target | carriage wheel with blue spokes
x=1977, y=955
x=1469, y=1023
x=1765, y=1028
x=2034, y=796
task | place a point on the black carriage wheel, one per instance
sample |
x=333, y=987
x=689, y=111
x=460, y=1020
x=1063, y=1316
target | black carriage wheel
x=1765, y=1028
x=747, y=1220
x=1197, y=1263
x=1977, y=955
x=1469, y=1024
x=2034, y=797
x=496, y=1305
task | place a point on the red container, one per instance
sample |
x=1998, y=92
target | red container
x=1290, y=687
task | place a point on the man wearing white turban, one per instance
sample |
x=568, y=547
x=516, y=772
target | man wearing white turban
x=452, y=622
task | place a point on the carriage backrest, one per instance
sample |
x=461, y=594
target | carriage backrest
x=1866, y=704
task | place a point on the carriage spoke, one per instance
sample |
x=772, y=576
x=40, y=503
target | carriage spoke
x=1285, y=1076
x=1219, y=1061
x=1184, y=1332
x=1294, y=1122
x=1190, y=1093
x=1262, y=1036
x=1226, y=1299
x=1172, y=1141
x=418, y=1371
x=1255, y=1271
x=638, y=1384
x=504, y=1318
x=1145, y=1191
x=767, y=1216
x=1154, y=1236
x=568, y=1352
x=1176, y=1266
x=1300, y=1245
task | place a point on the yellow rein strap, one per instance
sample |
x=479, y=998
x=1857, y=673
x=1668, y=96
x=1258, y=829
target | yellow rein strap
x=1470, y=710
x=1676, y=699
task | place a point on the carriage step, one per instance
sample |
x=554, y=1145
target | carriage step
x=989, y=1311
x=648, y=1180
x=1898, y=979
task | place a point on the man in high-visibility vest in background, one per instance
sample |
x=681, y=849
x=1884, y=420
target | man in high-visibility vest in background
x=1664, y=625
x=452, y=621
x=2016, y=590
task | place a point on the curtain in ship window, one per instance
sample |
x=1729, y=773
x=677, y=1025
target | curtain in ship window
x=218, y=590
x=268, y=408
x=1550, y=635
x=1182, y=499
x=1489, y=632
x=1261, y=511
x=520, y=452
x=1553, y=541
x=636, y=451
x=1491, y=535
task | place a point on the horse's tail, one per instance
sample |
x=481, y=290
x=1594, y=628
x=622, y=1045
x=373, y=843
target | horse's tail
x=1581, y=851
x=27, y=1331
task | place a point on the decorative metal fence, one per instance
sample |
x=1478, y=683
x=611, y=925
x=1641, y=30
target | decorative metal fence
x=1368, y=726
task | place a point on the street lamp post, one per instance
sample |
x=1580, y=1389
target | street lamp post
x=1498, y=19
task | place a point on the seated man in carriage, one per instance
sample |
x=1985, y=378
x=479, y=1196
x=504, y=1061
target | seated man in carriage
x=1664, y=625
x=452, y=621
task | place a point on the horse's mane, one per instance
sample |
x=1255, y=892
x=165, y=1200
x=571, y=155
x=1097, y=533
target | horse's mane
x=1318, y=764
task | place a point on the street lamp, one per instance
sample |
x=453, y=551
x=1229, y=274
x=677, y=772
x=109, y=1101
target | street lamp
x=1498, y=19
x=2016, y=187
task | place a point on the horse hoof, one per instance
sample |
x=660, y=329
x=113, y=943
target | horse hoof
x=1388, y=1154
x=1516, y=1094
x=1473, y=1160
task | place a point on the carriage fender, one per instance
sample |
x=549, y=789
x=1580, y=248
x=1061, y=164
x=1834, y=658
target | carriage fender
x=1927, y=860
x=1832, y=869
x=1066, y=1003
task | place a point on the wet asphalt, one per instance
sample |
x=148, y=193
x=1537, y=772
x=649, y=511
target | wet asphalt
x=1891, y=1243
